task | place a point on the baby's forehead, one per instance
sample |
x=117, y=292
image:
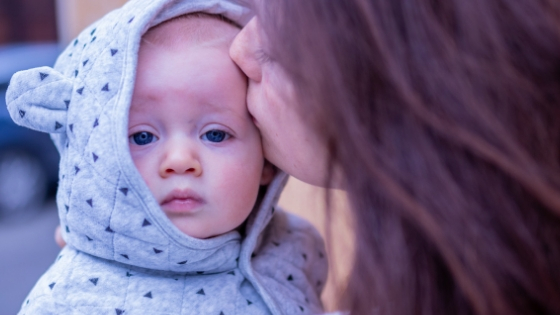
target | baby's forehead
x=186, y=60
x=192, y=29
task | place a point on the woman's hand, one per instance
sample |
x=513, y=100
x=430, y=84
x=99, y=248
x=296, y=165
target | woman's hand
x=58, y=237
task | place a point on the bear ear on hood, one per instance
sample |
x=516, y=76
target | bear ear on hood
x=39, y=99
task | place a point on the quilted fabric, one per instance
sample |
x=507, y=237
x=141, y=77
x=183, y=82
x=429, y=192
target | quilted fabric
x=123, y=254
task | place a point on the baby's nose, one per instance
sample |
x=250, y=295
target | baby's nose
x=177, y=161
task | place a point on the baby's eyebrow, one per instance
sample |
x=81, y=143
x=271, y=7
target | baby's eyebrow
x=234, y=117
x=221, y=108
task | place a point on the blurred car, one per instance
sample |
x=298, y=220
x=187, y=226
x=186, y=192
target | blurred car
x=28, y=159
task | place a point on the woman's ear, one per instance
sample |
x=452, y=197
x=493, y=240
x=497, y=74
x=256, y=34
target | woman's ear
x=268, y=173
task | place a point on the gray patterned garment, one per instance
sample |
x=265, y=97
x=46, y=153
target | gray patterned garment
x=123, y=255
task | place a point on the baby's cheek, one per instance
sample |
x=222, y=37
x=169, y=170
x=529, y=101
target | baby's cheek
x=240, y=183
x=144, y=167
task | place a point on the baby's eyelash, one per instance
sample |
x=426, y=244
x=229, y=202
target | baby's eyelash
x=142, y=138
x=216, y=135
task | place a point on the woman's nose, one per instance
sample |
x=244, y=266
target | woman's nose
x=179, y=161
x=245, y=49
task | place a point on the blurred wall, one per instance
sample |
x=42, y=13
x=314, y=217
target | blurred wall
x=27, y=21
x=75, y=15
x=303, y=199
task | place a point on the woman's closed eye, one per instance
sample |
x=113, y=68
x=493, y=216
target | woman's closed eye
x=215, y=135
x=142, y=138
x=263, y=57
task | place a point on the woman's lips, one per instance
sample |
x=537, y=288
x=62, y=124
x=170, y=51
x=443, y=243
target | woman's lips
x=182, y=201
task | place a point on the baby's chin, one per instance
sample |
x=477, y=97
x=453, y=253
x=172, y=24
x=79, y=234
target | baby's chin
x=195, y=232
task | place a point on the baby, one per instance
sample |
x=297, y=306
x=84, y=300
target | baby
x=165, y=200
x=190, y=134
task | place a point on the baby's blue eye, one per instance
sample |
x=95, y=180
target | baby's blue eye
x=143, y=138
x=215, y=135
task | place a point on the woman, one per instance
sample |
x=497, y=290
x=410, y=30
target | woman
x=440, y=119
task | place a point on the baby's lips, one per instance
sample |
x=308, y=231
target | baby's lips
x=182, y=194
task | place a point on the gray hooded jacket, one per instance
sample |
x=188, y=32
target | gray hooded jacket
x=123, y=255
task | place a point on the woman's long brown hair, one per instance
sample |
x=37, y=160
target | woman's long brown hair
x=444, y=116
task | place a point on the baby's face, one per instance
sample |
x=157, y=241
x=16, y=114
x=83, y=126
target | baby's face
x=192, y=138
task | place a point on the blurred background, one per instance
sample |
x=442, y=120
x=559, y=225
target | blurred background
x=28, y=159
x=32, y=33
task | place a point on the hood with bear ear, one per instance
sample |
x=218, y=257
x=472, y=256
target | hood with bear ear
x=105, y=207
